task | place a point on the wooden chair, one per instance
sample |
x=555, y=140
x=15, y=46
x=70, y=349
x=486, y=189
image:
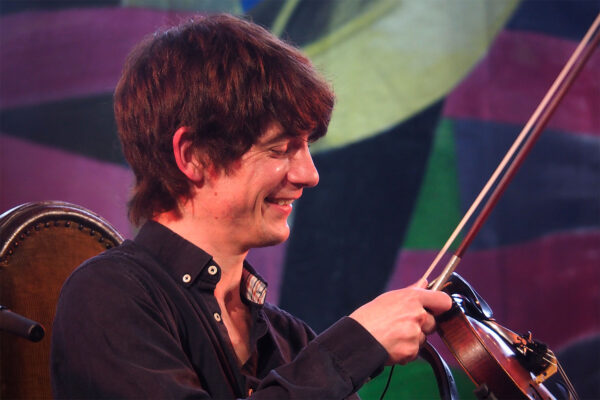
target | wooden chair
x=41, y=243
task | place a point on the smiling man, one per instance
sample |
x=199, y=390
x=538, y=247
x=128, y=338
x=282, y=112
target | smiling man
x=215, y=117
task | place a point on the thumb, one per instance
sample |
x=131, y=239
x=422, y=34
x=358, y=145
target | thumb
x=421, y=284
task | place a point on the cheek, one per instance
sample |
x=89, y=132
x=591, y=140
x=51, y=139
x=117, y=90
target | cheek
x=273, y=177
x=226, y=204
x=280, y=168
x=267, y=179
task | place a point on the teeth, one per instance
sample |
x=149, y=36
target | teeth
x=283, y=202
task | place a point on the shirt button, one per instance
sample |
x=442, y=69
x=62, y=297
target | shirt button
x=212, y=270
x=217, y=317
x=186, y=278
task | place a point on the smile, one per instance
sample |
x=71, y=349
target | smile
x=281, y=202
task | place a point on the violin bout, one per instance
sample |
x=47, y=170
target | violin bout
x=506, y=365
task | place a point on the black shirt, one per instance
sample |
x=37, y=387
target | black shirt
x=141, y=321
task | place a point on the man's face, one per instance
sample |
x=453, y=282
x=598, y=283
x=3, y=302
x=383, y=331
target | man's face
x=251, y=204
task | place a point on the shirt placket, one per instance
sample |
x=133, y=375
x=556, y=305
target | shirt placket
x=207, y=281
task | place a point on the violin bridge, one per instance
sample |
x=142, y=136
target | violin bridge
x=551, y=368
x=539, y=359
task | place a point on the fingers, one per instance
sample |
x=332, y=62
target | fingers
x=436, y=302
x=428, y=324
x=400, y=319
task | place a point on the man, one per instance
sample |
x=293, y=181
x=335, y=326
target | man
x=215, y=117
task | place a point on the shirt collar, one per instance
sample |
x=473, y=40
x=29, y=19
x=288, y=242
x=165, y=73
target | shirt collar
x=188, y=264
x=253, y=287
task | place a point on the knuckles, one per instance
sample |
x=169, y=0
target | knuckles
x=401, y=319
x=405, y=354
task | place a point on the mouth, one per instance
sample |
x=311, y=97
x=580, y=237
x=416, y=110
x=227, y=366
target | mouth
x=279, y=202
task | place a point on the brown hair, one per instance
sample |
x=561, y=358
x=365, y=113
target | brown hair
x=226, y=79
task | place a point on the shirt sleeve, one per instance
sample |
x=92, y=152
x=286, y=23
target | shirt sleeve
x=334, y=365
x=111, y=340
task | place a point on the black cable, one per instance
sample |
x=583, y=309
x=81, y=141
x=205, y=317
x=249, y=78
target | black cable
x=387, y=385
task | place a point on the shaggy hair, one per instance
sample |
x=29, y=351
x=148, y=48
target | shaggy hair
x=224, y=78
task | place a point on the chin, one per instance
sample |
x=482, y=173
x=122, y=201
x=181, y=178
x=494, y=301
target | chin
x=274, y=238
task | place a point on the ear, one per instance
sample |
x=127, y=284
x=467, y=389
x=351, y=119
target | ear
x=186, y=157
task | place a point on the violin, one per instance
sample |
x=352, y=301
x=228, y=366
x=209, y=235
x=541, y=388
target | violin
x=502, y=363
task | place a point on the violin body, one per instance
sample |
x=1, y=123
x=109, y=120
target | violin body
x=502, y=364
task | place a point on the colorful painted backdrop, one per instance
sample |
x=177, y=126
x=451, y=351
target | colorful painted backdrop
x=430, y=94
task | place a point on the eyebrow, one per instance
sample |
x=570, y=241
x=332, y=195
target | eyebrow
x=277, y=138
x=281, y=136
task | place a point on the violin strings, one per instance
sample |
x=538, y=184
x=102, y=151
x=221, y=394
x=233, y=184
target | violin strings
x=567, y=382
x=550, y=360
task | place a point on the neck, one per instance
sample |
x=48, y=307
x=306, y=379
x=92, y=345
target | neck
x=229, y=258
x=197, y=229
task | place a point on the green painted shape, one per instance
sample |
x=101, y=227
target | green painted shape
x=400, y=56
x=437, y=210
x=414, y=381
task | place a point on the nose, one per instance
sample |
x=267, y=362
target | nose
x=302, y=171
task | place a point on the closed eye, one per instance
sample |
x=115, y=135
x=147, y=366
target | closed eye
x=289, y=146
x=279, y=150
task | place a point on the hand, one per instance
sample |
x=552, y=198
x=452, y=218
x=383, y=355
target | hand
x=401, y=319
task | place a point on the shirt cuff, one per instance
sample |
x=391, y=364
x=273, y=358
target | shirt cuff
x=354, y=349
